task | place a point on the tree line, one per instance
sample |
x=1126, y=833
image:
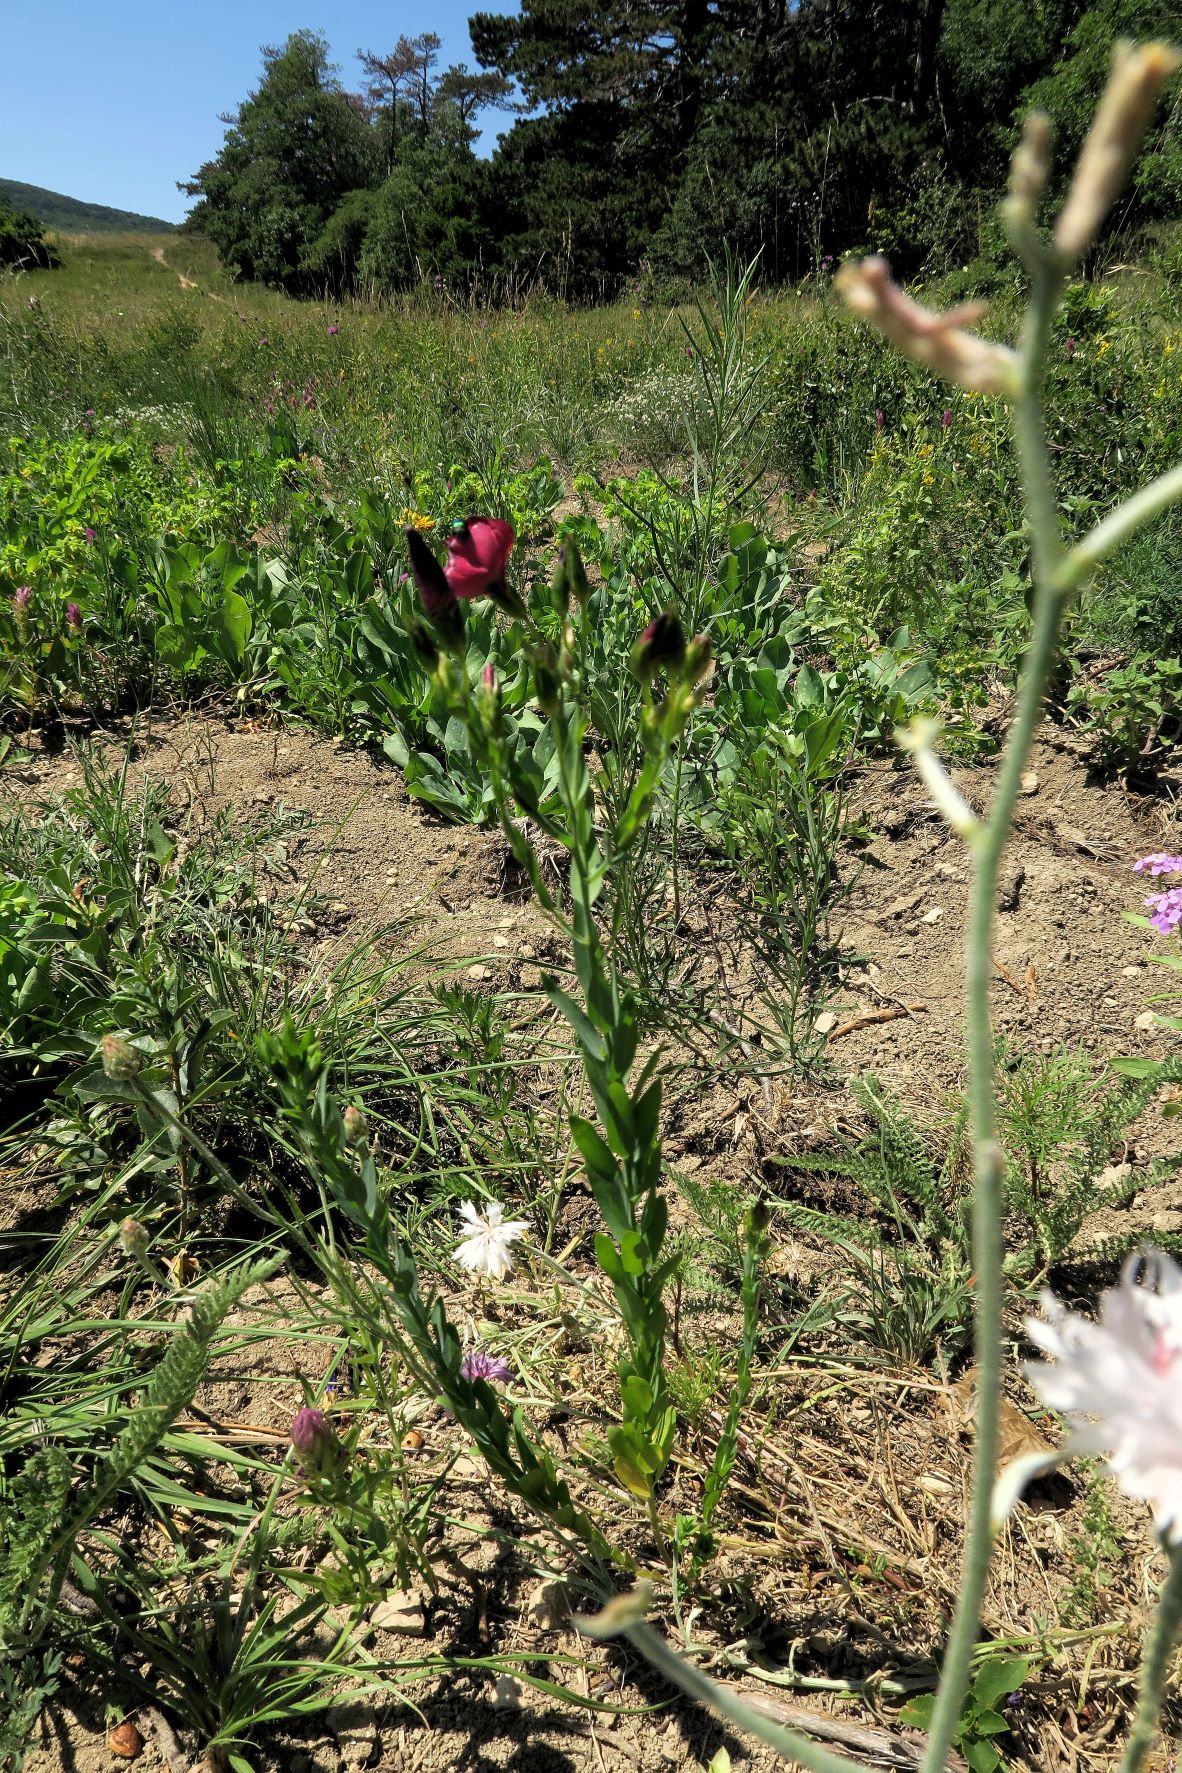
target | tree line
x=647, y=131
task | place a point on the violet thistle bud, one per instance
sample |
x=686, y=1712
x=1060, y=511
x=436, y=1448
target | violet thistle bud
x=314, y=1441
x=355, y=1125
x=492, y=1368
x=121, y=1062
x=134, y=1239
x=73, y=618
x=1137, y=77
x=661, y=644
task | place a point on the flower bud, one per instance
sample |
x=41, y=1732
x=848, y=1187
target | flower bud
x=355, y=1126
x=570, y=578
x=74, y=618
x=447, y=678
x=661, y=644
x=22, y=597
x=134, y=1239
x=1028, y=170
x=938, y=341
x=429, y=577
x=120, y=1060
x=425, y=648
x=314, y=1441
x=699, y=656
x=1138, y=75
x=546, y=683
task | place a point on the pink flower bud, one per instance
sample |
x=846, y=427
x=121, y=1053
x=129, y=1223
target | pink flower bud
x=73, y=617
x=313, y=1439
x=662, y=643
x=90, y=533
x=355, y=1128
x=22, y=597
x=134, y=1239
x=946, y=417
x=489, y=676
x=478, y=554
x=121, y=1062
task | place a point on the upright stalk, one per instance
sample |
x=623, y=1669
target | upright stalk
x=1156, y=1667
x=989, y=843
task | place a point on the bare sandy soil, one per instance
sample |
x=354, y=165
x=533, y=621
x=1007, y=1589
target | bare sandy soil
x=842, y=1548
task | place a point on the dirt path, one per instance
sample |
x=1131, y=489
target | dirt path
x=185, y=282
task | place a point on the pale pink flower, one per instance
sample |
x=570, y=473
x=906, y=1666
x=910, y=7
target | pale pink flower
x=485, y=1245
x=1119, y=1380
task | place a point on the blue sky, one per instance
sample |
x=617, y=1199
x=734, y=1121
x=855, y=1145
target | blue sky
x=113, y=101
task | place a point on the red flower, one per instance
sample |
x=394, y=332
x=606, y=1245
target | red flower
x=478, y=553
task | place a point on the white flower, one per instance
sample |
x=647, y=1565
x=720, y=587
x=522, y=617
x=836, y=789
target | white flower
x=487, y=1237
x=1125, y=1373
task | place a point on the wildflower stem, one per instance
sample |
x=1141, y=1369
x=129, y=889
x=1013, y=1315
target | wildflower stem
x=1155, y=1667
x=1118, y=526
x=794, y=1746
x=987, y=1159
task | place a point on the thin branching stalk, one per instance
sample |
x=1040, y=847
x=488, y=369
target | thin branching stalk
x=1155, y=1668
x=989, y=843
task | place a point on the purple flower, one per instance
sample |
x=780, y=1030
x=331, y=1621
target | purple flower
x=1159, y=862
x=73, y=617
x=879, y=418
x=313, y=1439
x=333, y=331
x=263, y=339
x=89, y=534
x=1166, y=910
x=492, y=1367
x=689, y=353
x=22, y=597
x=946, y=417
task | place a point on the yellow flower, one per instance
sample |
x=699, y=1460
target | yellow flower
x=636, y=313
x=417, y=519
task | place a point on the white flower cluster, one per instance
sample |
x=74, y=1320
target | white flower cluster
x=1119, y=1379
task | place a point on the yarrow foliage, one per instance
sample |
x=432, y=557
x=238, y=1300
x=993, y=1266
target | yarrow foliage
x=1125, y=1372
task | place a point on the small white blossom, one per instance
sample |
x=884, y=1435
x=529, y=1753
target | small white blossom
x=1124, y=1372
x=487, y=1237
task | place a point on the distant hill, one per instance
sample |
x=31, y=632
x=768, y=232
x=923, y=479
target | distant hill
x=73, y=217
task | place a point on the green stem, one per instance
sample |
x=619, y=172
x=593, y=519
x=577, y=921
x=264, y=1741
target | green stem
x=989, y=844
x=1155, y=1667
x=790, y=1743
x=1118, y=526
